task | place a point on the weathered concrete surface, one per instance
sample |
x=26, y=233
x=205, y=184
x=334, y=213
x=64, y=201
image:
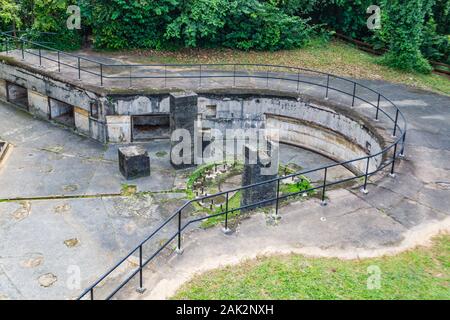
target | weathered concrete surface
x=53, y=161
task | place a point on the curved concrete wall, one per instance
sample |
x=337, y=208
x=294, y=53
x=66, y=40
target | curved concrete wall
x=327, y=129
x=319, y=128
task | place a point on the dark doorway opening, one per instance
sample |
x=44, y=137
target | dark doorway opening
x=62, y=112
x=17, y=95
x=151, y=126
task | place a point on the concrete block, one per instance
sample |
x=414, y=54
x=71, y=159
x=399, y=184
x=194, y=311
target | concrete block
x=38, y=104
x=134, y=162
x=254, y=173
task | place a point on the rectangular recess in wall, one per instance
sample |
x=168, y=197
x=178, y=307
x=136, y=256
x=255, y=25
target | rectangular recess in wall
x=62, y=112
x=150, y=126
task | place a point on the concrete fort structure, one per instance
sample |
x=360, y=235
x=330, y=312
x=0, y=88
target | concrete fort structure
x=110, y=115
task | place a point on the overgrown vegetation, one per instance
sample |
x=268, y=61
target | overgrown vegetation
x=333, y=57
x=423, y=273
x=410, y=30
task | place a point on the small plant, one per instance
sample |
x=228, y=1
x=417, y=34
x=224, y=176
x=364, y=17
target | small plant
x=128, y=190
x=161, y=154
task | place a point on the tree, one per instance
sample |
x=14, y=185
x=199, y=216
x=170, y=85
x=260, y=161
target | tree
x=403, y=23
x=9, y=15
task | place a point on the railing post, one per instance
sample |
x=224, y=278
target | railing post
x=395, y=124
x=328, y=86
x=23, y=50
x=324, y=203
x=276, y=216
x=378, y=107
x=141, y=288
x=354, y=93
x=298, y=81
x=392, y=174
x=179, y=250
x=165, y=76
x=130, y=73
x=402, y=151
x=234, y=76
x=59, y=61
x=79, y=69
x=200, y=78
x=226, y=230
x=267, y=78
x=92, y=293
x=101, y=74
x=40, y=57
x=364, y=188
x=7, y=45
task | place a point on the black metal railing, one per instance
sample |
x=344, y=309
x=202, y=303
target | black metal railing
x=385, y=158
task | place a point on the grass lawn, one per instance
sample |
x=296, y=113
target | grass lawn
x=422, y=273
x=334, y=57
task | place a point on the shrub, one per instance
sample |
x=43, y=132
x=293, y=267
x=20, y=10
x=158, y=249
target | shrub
x=120, y=24
x=51, y=16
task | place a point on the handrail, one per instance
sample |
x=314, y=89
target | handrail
x=399, y=140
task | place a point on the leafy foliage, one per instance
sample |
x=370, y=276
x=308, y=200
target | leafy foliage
x=51, y=16
x=9, y=14
x=120, y=24
x=411, y=30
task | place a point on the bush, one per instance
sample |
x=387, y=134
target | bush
x=403, y=23
x=9, y=15
x=435, y=46
x=253, y=25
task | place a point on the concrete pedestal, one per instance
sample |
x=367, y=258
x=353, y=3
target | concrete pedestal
x=254, y=173
x=134, y=162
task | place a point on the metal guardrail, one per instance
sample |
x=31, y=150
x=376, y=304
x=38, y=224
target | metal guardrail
x=391, y=153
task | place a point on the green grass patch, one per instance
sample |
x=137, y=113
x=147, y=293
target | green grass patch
x=161, y=154
x=233, y=203
x=422, y=273
x=128, y=189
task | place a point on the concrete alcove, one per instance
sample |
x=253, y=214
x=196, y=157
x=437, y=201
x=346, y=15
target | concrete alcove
x=150, y=126
x=62, y=112
x=17, y=95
